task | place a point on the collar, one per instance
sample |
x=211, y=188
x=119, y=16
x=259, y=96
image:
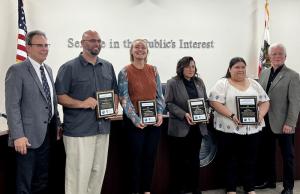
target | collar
x=277, y=70
x=85, y=62
x=188, y=81
x=35, y=64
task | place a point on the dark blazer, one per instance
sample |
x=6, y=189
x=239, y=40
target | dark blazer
x=26, y=104
x=284, y=94
x=176, y=100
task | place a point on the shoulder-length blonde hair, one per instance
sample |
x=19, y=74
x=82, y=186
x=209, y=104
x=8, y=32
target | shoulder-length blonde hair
x=144, y=41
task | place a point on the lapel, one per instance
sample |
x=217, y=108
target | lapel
x=279, y=76
x=184, y=93
x=265, y=78
x=199, y=91
x=35, y=77
x=52, y=82
x=50, y=75
x=182, y=88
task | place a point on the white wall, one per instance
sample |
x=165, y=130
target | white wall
x=235, y=26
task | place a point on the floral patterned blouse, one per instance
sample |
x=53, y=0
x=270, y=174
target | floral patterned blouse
x=225, y=93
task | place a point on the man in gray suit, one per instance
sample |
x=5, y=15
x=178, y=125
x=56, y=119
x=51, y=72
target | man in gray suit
x=32, y=117
x=283, y=87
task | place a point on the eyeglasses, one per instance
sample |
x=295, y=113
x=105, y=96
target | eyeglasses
x=278, y=54
x=41, y=45
x=93, y=40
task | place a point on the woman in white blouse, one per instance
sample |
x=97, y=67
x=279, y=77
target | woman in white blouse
x=238, y=142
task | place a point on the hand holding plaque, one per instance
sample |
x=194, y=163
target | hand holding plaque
x=105, y=103
x=247, y=110
x=147, y=111
x=197, y=110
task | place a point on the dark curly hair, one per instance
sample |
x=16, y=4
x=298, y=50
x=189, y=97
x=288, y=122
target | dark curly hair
x=182, y=63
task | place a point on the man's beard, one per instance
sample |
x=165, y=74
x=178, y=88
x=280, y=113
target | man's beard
x=94, y=52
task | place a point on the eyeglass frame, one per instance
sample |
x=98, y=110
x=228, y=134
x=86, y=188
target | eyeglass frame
x=93, y=40
x=40, y=45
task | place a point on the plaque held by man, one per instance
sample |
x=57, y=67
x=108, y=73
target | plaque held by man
x=198, y=110
x=147, y=111
x=247, y=110
x=105, y=104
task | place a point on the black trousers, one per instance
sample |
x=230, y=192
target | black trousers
x=267, y=157
x=32, y=169
x=238, y=154
x=185, y=161
x=142, y=152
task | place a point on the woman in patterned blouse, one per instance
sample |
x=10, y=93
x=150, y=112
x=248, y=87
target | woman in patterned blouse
x=238, y=142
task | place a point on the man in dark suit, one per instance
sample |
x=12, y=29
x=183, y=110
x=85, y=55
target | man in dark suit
x=32, y=116
x=283, y=87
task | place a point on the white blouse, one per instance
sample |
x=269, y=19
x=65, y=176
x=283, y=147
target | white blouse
x=225, y=93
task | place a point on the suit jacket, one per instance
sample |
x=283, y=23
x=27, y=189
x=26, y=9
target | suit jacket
x=176, y=100
x=284, y=94
x=26, y=104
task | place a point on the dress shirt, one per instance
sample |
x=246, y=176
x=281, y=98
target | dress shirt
x=36, y=67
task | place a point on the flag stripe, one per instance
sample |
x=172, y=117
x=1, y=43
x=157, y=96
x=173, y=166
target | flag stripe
x=20, y=58
x=21, y=42
x=21, y=36
x=22, y=32
x=21, y=53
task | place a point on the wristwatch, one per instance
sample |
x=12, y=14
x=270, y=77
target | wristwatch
x=231, y=116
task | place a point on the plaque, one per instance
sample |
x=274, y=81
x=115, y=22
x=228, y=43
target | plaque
x=247, y=110
x=197, y=110
x=147, y=111
x=105, y=103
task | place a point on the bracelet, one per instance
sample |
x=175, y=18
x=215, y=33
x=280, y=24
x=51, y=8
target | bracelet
x=231, y=116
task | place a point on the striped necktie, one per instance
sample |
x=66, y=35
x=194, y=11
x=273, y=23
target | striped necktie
x=47, y=91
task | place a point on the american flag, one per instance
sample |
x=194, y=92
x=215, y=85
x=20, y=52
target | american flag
x=263, y=61
x=21, y=48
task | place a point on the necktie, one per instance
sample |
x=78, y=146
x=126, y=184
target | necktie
x=47, y=91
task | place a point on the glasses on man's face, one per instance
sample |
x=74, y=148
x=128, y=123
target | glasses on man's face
x=93, y=40
x=277, y=54
x=41, y=45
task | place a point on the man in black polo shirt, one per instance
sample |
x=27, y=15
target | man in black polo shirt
x=283, y=87
x=86, y=139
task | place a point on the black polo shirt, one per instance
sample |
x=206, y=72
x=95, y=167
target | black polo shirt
x=272, y=76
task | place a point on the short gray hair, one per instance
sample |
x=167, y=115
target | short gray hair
x=31, y=34
x=277, y=45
